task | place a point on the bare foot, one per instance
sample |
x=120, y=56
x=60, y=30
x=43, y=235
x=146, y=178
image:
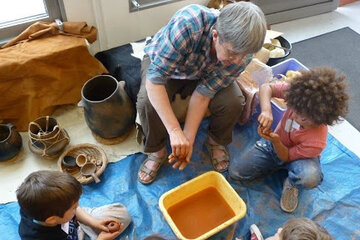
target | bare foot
x=152, y=165
x=217, y=153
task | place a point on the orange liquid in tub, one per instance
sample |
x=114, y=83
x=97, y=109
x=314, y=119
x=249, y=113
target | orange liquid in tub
x=200, y=213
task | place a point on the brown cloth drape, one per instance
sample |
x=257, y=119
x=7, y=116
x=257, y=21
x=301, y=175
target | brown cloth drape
x=47, y=29
x=48, y=71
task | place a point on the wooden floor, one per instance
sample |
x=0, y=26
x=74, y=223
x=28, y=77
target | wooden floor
x=344, y=2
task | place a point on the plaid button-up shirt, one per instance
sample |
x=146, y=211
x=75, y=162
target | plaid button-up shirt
x=181, y=50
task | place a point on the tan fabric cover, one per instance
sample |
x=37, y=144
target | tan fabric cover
x=47, y=29
x=36, y=76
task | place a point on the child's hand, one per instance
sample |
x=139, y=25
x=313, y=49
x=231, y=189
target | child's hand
x=268, y=134
x=265, y=119
x=108, y=236
x=264, y=132
x=102, y=224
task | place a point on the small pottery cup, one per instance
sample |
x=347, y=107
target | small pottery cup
x=113, y=226
x=81, y=160
x=69, y=161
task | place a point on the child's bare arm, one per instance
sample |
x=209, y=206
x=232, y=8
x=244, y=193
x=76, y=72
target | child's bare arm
x=89, y=220
x=281, y=150
x=265, y=93
x=108, y=236
x=101, y=224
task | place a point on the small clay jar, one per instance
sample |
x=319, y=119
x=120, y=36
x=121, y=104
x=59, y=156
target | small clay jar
x=10, y=142
x=113, y=226
x=46, y=137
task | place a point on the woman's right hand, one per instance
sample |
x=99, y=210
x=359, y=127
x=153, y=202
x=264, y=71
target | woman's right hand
x=180, y=145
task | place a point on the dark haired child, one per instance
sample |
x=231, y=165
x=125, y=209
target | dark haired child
x=49, y=209
x=154, y=237
x=316, y=98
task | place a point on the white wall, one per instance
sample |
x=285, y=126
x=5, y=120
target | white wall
x=116, y=25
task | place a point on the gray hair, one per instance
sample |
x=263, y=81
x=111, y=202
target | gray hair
x=243, y=25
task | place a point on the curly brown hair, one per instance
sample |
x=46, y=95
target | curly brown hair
x=319, y=94
x=304, y=229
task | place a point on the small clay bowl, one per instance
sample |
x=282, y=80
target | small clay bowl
x=113, y=226
x=88, y=170
x=69, y=161
x=81, y=160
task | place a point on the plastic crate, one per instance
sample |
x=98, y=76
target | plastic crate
x=188, y=189
x=289, y=64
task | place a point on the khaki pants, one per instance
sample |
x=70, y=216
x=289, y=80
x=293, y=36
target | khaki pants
x=225, y=109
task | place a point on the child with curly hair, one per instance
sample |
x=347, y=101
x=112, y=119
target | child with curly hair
x=316, y=98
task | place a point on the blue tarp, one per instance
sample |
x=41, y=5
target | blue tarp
x=335, y=204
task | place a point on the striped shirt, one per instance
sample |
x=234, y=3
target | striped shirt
x=181, y=50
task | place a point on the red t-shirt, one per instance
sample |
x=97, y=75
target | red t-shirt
x=302, y=143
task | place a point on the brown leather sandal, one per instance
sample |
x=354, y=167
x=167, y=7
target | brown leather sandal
x=216, y=161
x=150, y=172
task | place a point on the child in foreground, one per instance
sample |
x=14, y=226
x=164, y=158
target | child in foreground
x=316, y=98
x=154, y=237
x=295, y=229
x=49, y=209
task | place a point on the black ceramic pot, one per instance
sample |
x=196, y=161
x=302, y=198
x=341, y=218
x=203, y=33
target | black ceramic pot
x=108, y=110
x=284, y=43
x=10, y=142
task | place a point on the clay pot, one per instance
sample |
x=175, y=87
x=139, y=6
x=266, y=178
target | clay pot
x=10, y=142
x=108, y=110
x=69, y=163
x=81, y=160
x=46, y=137
x=113, y=226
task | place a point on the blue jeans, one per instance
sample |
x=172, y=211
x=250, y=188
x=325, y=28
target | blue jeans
x=262, y=159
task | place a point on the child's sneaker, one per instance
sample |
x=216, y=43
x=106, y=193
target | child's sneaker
x=289, y=198
x=255, y=233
